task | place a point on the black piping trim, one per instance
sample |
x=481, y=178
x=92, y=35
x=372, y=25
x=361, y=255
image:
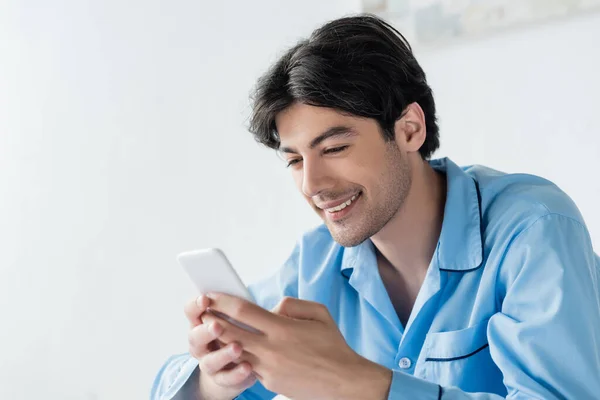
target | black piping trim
x=458, y=358
x=480, y=233
x=440, y=392
x=460, y=270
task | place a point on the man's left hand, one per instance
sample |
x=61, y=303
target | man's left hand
x=299, y=351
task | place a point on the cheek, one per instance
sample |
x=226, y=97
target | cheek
x=373, y=168
x=297, y=176
x=359, y=172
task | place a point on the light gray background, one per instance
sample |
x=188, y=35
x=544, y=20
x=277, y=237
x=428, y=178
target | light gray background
x=122, y=143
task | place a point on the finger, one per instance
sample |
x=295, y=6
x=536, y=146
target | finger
x=195, y=308
x=234, y=377
x=215, y=344
x=232, y=333
x=215, y=361
x=254, y=362
x=202, y=337
x=302, y=309
x=243, y=311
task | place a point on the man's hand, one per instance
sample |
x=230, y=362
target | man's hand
x=222, y=375
x=300, y=352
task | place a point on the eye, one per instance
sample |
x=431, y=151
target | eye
x=335, y=150
x=293, y=162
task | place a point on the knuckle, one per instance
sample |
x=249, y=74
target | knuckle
x=285, y=302
x=196, y=353
x=239, y=309
x=322, y=309
x=197, y=336
x=284, y=305
x=205, y=366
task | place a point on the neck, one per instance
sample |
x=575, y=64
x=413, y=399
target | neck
x=407, y=242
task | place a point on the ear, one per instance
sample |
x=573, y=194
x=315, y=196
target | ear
x=410, y=129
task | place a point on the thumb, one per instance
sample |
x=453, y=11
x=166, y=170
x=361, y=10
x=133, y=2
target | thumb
x=302, y=309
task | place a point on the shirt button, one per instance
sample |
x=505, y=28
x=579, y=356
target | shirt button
x=405, y=363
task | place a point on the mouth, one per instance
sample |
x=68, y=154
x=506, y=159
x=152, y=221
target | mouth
x=341, y=210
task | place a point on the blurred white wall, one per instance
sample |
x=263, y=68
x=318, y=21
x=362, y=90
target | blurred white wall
x=123, y=142
x=526, y=100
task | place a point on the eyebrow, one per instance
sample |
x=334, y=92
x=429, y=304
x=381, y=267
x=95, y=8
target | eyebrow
x=333, y=132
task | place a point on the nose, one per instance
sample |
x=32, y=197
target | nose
x=315, y=178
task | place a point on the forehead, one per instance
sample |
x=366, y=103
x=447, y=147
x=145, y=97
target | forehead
x=301, y=123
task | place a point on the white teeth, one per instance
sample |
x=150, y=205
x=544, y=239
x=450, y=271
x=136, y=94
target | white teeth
x=341, y=206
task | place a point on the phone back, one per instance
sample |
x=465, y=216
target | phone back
x=211, y=271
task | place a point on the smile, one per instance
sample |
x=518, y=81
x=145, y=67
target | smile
x=343, y=205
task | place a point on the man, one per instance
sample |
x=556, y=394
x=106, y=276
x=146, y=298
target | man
x=426, y=281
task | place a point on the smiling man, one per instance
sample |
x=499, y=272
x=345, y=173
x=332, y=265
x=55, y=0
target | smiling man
x=426, y=281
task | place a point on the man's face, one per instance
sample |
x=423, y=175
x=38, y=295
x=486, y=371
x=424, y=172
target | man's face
x=348, y=173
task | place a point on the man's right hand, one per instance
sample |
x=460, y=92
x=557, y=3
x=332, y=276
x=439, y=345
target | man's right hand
x=223, y=376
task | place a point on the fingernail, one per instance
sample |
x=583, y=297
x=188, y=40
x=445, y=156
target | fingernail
x=200, y=300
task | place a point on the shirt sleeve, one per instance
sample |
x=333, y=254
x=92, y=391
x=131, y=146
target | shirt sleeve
x=174, y=380
x=178, y=377
x=546, y=339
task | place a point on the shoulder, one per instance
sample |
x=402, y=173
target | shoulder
x=533, y=236
x=511, y=203
x=529, y=221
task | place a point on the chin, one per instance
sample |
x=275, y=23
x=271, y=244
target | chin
x=346, y=238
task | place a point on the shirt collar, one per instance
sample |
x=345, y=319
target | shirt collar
x=460, y=247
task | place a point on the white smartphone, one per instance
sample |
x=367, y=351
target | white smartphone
x=211, y=271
